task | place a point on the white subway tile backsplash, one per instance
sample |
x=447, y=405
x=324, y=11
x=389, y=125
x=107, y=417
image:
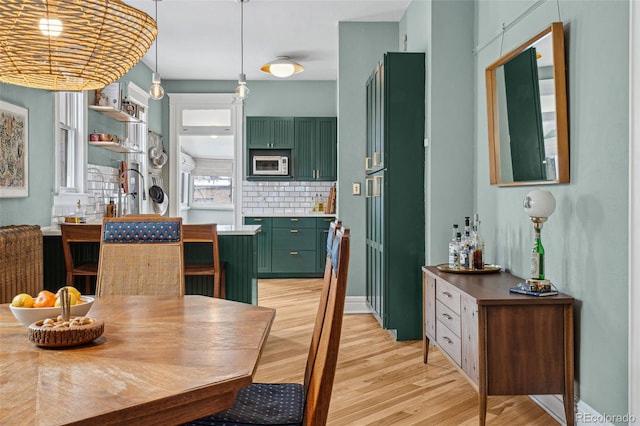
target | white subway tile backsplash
x=283, y=197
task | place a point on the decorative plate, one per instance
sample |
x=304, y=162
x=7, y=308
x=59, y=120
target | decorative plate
x=488, y=269
x=60, y=337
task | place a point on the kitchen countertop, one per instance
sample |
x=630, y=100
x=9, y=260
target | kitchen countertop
x=222, y=230
x=310, y=214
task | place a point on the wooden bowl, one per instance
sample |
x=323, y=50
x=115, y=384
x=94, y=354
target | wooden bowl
x=53, y=337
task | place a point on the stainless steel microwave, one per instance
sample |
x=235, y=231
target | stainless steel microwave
x=270, y=165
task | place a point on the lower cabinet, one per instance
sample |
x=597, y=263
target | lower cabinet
x=507, y=344
x=291, y=247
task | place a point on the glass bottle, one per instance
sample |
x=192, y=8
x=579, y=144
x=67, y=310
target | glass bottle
x=453, y=259
x=477, y=261
x=465, y=250
x=457, y=248
x=537, y=257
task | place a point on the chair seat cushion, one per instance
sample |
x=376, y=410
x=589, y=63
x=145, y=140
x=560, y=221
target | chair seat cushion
x=262, y=404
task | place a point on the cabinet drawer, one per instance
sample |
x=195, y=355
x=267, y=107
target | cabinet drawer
x=448, y=341
x=447, y=317
x=294, y=222
x=323, y=222
x=448, y=295
x=294, y=261
x=265, y=222
x=294, y=239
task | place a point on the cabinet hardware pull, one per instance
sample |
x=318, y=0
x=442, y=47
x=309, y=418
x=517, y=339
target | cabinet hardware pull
x=294, y=219
x=377, y=187
x=293, y=231
x=367, y=186
x=449, y=341
x=447, y=316
x=326, y=231
x=367, y=163
x=257, y=220
x=376, y=157
x=446, y=293
x=293, y=253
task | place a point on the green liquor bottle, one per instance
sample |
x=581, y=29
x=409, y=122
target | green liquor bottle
x=537, y=257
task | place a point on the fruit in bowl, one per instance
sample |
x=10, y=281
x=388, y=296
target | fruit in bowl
x=24, y=307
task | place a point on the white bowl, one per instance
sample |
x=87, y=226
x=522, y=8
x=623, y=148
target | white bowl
x=30, y=315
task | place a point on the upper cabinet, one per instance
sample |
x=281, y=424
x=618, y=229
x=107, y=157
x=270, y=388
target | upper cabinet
x=315, y=148
x=270, y=132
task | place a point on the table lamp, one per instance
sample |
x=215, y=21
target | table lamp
x=539, y=204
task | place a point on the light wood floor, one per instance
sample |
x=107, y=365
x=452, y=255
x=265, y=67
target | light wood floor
x=378, y=381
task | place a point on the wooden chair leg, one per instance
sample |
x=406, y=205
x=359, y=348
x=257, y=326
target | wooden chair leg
x=87, y=284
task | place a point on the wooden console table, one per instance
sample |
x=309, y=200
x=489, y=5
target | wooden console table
x=507, y=344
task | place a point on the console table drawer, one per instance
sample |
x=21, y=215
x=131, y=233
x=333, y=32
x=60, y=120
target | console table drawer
x=447, y=317
x=449, y=342
x=448, y=295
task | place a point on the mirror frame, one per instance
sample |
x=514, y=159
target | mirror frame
x=562, y=126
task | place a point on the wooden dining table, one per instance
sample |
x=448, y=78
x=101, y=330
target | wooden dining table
x=161, y=360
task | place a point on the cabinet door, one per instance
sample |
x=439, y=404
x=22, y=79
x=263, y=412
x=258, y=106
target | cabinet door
x=469, y=338
x=258, y=132
x=264, y=241
x=282, y=129
x=304, y=161
x=326, y=149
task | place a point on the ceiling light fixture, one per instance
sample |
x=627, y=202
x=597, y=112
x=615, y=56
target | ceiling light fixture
x=156, y=91
x=71, y=45
x=242, y=91
x=282, y=67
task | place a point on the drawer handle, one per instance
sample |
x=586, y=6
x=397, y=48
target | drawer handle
x=447, y=316
x=446, y=293
x=326, y=231
x=257, y=220
x=294, y=219
x=293, y=231
x=449, y=341
x=293, y=253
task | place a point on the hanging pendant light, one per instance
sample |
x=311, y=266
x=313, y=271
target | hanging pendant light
x=71, y=45
x=242, y=91
x=282, y=67
x=156, y=91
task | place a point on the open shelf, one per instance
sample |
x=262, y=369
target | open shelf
x=114, y=146
x=114, y=113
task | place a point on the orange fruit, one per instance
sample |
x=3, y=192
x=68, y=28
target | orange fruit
x=45, y=299
x=22, y=300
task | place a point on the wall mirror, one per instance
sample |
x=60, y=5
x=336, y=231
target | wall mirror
x=527, y=112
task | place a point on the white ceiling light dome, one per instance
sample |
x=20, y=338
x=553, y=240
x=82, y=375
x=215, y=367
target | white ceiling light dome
x=282, y=67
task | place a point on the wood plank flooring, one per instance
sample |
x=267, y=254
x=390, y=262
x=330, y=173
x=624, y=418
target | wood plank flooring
x=378, y=381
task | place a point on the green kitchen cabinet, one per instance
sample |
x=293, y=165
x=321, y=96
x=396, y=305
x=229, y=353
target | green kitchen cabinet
x=264, y=241
x=291, y=247
x=270, y=132
x=315, y=148
x=394, y=169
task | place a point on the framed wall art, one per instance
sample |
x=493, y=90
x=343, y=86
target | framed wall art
x=14, y=151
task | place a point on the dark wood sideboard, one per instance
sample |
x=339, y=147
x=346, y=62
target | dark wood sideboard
x=505, y=343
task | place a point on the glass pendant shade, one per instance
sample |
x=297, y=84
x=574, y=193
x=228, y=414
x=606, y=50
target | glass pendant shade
x=71, y=45
x=242, y=91
x=539, y=203
x=282, y=67
x=156, y=91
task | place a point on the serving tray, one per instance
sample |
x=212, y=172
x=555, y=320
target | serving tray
x=488, y=269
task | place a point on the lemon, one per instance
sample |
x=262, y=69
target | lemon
x=73, y=300
x=71, y=289
x=22, y=300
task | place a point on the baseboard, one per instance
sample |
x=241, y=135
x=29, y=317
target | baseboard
x=356, y=305
x=585, y=415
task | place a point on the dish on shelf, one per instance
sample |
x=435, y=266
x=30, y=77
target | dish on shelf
x=488, y=269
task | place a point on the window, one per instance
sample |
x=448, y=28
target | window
x=212, y=183
x=70, y=152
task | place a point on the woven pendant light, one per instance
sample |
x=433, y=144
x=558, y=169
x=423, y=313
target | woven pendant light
x=71, y=45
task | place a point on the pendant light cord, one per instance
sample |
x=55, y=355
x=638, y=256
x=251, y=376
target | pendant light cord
x=157, y=35
x=242, y=36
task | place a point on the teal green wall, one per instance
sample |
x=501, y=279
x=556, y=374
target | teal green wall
x=586, y=239
x=36, y=208
x=362, y=46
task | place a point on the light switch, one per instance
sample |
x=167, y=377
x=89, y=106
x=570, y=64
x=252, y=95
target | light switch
x=356, y=188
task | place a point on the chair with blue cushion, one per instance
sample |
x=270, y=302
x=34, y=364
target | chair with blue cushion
x=141, y=255
x=292, y=403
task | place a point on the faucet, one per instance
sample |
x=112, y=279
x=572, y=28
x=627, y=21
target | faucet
x=144, y=192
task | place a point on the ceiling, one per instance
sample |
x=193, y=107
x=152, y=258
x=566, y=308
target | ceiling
x=200, y=39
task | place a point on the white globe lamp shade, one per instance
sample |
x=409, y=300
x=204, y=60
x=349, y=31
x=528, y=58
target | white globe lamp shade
x=539, y=203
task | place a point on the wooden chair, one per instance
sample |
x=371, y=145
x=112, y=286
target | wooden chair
x=141, y=255
x=292, y=403
x=206, y=233
x=74, y=234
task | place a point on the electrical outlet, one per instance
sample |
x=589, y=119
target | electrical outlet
x=356, y=188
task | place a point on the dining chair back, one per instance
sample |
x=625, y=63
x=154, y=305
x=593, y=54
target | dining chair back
x=206, y=233
x=141, y=256
x=76, y=260
x=292, y=403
